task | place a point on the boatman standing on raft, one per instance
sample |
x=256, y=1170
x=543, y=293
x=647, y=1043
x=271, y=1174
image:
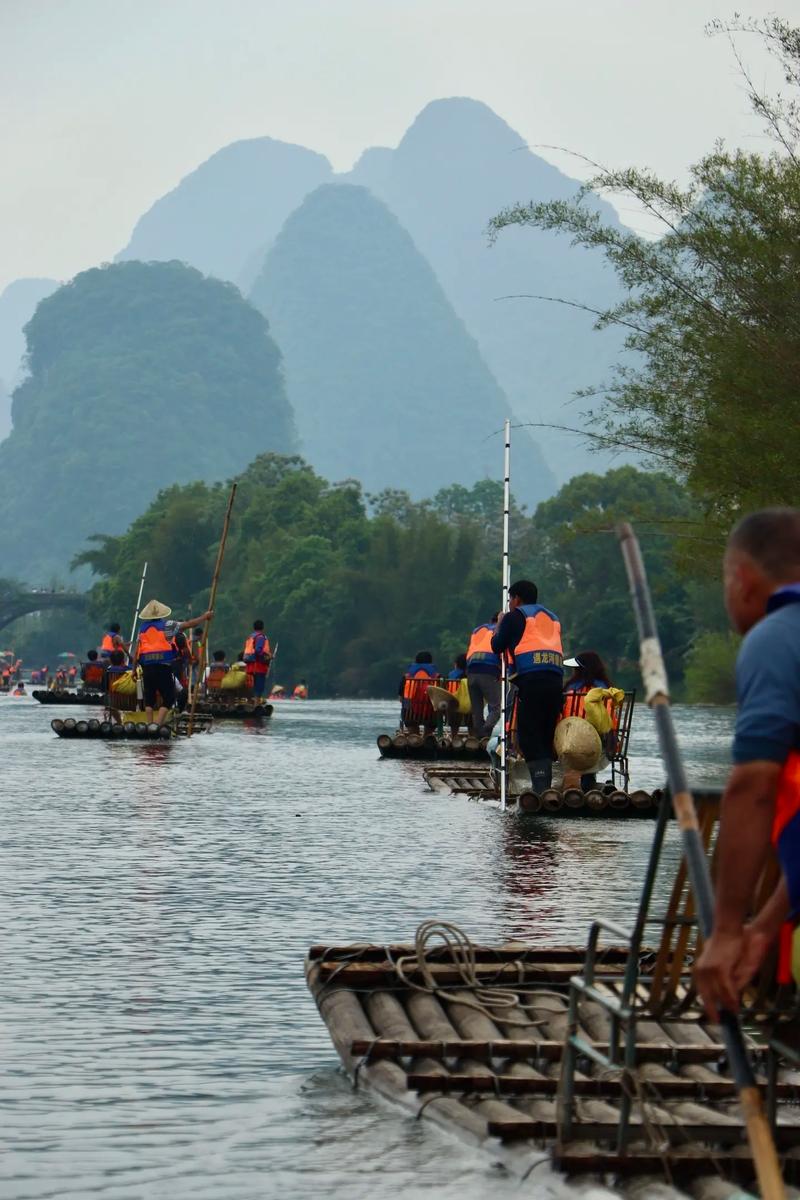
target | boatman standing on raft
x=531, y=635
x=156, y=654
x=257, y=656
x=761, y=804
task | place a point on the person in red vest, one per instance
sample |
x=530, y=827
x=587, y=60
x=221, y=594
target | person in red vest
x=760, y=809
x=156, y=654
x=416, y=708
x=531, y=637
x=257, y=656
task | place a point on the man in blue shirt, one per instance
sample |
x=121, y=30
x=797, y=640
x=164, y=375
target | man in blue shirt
x=761, y=805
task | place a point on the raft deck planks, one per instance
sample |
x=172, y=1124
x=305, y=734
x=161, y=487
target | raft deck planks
x=497, y=1085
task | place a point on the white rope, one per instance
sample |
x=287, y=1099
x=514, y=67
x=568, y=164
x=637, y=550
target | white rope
x=490, y=1001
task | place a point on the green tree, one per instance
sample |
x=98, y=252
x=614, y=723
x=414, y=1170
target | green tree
x=573, y=556
x=711, y=668
x=141, y=375
x=711, y=387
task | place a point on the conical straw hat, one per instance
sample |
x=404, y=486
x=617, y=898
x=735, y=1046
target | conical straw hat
x=154, y=610
x=578, y=744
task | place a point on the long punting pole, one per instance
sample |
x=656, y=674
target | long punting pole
x=503, y=606
x=213, y=594
x=654, y=677
x=138, y=606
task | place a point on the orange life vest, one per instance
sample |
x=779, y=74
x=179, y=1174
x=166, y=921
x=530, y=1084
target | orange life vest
x=300, y=692
x=216, y=672
x=539, y=648
x=108, y=645
x=153, y=645
x=575, y=705
x=480, y=649
x=255, y=666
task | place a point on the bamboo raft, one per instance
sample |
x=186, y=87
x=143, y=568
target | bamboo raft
x=61, y=697
x=240, y=710
x=606, y=800
x=130, y=729
x=424, y=1032
x=462, y=748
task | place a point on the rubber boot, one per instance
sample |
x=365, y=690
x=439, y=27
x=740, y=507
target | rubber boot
x=541, y=772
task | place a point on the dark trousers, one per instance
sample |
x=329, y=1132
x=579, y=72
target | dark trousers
x=540, y=700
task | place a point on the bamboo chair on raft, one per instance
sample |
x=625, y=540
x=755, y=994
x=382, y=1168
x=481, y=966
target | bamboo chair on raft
x=657, y=985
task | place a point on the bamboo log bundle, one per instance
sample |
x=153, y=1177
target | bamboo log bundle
x=552, y=800
x=384, y=741
x=596, y=800
x=574, y=798
x=530, y=802
x=641, y=800
x=618, y=800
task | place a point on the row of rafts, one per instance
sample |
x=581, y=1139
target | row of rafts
x=132, y=730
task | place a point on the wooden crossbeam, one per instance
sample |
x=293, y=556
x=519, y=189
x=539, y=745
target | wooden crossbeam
x=521, y=953
x=515, y=1085
x=546, y=1051
x=786, y=1136
x=376, y=975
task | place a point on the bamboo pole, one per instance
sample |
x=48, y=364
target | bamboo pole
x=654, y=677
x=506, y=573
x=213, y=594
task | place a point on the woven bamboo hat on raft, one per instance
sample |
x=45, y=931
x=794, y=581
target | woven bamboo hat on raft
x=154, y=610
x=578, y=744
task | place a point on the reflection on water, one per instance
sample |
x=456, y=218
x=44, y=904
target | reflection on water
x=158, y=900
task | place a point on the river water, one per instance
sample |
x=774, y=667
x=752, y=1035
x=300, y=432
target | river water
x=157, y=901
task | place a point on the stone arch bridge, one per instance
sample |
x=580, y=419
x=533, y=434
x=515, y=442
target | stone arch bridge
x=17, y=602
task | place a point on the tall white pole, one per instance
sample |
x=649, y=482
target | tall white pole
x=138, y=606
x=503, y=607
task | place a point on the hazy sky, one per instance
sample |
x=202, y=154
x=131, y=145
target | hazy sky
x=106, y=104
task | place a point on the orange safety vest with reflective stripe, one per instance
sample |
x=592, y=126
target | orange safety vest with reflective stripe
x=153, y=645
x=539, y=648
x=479, y=651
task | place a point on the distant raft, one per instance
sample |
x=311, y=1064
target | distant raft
x=416, y=746
x=57, y=696
x=134, y=728
x=238, y=710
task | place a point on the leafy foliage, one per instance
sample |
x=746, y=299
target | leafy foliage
x=712, y=315
x=142, y=374
x=351, y=592
x=710, y=668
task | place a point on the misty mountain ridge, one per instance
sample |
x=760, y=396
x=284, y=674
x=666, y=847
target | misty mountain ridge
x=17, y=306
x=387, y=384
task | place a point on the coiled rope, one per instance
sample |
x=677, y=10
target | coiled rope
x=491, y=1002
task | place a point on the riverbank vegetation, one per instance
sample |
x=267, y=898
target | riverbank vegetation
x=352, y=586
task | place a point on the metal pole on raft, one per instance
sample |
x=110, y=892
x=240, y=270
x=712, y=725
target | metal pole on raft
x=138, y=606
x=654, y=677
x=503, y=605
x=131, y=647
x=213, y=595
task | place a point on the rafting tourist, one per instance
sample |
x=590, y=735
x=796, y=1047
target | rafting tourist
x=483, y=679
x=760, y=808
x=301, y=691
x=93, y=672
x=156, y=654
x=257, y=655
x=416, y=709
x=216, y=671
x=531, y=634
x=19, y=690
x=112, y=640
